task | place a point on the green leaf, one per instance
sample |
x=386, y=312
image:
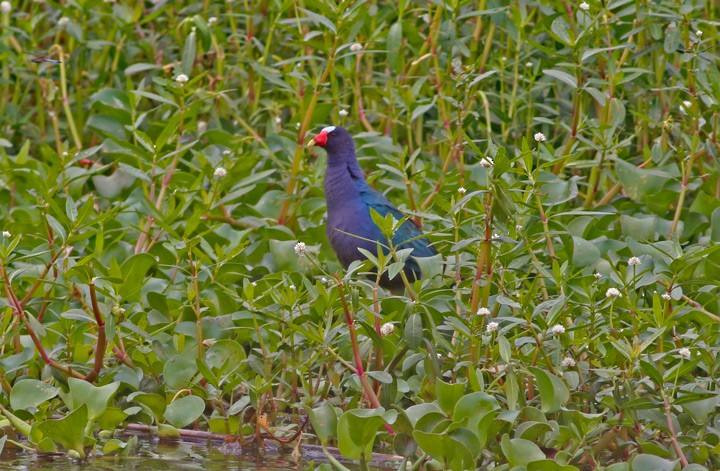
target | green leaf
x=70, y=209
x=448, y=394
x=57, y=228
x=520, y=452
x=225, y=354
x=671, y=43
x=393, y=43
x=134, y=270
x=585, y=253
x=552, y=390
x=188, y=54
x=30, y=393
x=154, y=403
x=422, y=109
x=179, y=371
x=356, y=432
x=561, y=28
x=324, y=421
x=184, y=411
x=456, y=449
x=413, y=330
x=319, y=19
x=94, y=397
x=562, y=76
x=646, y=462
x=69, y=431
x=715, y=226
x=638, y=182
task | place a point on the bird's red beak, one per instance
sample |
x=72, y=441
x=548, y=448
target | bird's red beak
x=319, y=140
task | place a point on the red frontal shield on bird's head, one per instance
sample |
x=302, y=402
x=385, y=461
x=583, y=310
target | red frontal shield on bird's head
x=321, y=138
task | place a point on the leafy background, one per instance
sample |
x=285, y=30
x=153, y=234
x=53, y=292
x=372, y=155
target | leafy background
x=150, y=226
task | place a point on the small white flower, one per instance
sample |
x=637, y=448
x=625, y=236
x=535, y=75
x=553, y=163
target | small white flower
x=356, y=47
x=297, y=125
x=7, y=234
x=634, y=261
x=503, y=59
x=254, y=283
x=462, y=190
x=212, y=20
x=529, y=64
x=487, y=162
x=558, y=329
x=684, y=353
x=698, y=33
x=568, y=362
x=182, y=79
x=687, y=103
x=495, y=236
x=220, y=172
x=491, y=327
x=227, y=152
x=300, y=249
x=613, y=293
x=584, y=6
x=483, y=311
x=201, y=126
x=323, y=279
x=278, y=120
x=666, y=296
x=539, y=137
x=387, y=329
x=5, y=7
x=343, y=112
x=597, y=276
x=63, y=21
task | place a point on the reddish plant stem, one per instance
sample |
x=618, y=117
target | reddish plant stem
x=359, y=369
x=41, y=278
x=102, y=336
x=35, y=339
x=671, y=428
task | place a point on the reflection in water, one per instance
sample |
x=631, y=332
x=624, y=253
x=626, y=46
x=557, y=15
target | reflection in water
x=175, y=455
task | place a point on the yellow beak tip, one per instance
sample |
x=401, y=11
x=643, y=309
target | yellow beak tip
x=310, y=144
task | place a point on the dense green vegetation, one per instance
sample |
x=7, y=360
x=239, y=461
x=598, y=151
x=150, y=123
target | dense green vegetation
x=562, y=157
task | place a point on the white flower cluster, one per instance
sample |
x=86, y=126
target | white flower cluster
x=300, y=249
x=684, y=353
x=558, y=329
x=387, y=329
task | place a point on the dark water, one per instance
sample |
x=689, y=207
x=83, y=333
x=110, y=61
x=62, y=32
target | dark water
x=179, y=455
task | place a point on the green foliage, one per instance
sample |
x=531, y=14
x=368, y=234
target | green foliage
x=563, y=160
